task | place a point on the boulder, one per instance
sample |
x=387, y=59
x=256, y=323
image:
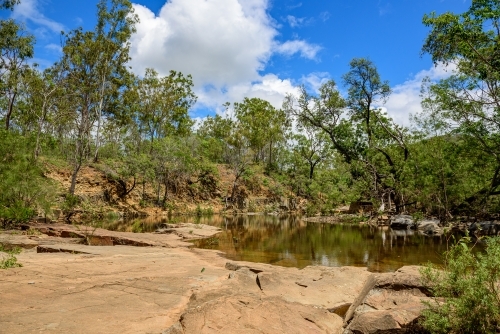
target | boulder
x=388, y=303
x=429, y=227
x=265, y=299
x=402, y=222
x=485, y=228
x=248, y=314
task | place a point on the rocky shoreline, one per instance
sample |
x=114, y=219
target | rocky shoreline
x=156, y=283
x=425, y=226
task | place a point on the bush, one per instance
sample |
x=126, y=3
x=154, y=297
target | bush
x=199, y=212
x=311, y=209
x=9, y=260
x=466, y=291
x=23, y=188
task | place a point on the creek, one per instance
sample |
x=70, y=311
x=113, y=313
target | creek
x=291, y=242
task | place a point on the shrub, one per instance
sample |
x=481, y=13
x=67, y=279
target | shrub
x=137, y=226
x=311, y=209
x=9, y=260
x=466, y=291
x=23, y=188
x=198, y=212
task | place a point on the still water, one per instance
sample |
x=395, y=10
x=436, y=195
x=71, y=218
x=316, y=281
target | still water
x=291, y=242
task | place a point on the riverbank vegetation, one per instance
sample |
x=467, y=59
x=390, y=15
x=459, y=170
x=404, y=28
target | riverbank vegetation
x=88, y=109
x=466, y=291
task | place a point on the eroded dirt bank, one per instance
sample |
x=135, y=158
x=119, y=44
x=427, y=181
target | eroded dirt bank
x=66, y=287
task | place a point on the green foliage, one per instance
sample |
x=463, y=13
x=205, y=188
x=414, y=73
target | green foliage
x=466, y=290
x=9, y=4
x=70, y=202
x=344, y=147
x=469, y=41
x=203, y=212
x=17, y=46
x=23, y=190
x=8, y=258
x=137, y=227
x=311, y=209
x=162, y=103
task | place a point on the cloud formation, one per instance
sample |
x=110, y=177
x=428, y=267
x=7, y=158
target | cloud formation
x=405, y=99
x=28, y=10
x=306, y=50
x=296, y=22
x=223, y=44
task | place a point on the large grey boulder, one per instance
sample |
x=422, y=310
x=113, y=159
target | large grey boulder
x=402, y=222
x=429, y=227
x=485, y=228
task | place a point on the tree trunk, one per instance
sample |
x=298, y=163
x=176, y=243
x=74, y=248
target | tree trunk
x=165, y=194
x=37, y=142
x=98, y=134
x=143, y=189
x=73, y=178
x=9, y=111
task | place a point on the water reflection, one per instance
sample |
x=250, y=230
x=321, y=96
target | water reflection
x=291, y=242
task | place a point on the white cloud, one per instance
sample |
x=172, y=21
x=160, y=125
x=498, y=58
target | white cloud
x=405, y=99
x=324, y=16
x=54, y=48
x=305, y=49
x=28, y=10
x=315, y=80
x=295, y=6
x=296, y=22
x=223, y=44
x=220, y=42
x=269, y=87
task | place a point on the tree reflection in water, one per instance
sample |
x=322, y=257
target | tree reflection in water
x=288, y=241
x=291, y=242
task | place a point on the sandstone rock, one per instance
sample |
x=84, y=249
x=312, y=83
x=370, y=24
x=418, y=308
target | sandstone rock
x=57, y=249
x=120, y=289
x=317, y=286
x=402, y=222
x=105, y=237
x=10, y=241
x=98, y=240
x=246, y=314
x=388, y=303
x=260, y=298
x=340, y=309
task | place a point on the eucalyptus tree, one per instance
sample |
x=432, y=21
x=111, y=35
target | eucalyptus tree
x=163, y=103
x=386, y=145
x=16, y=48
x=215, y=132
x=326, y=111
x=42, y=95
x=468, y=101
x=313, y=147
x=94, y=67
x=262, y=125
x=115, y=25
x=375, y=148
x=366, y=91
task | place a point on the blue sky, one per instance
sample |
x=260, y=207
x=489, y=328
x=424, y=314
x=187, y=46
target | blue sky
x=261, y=48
